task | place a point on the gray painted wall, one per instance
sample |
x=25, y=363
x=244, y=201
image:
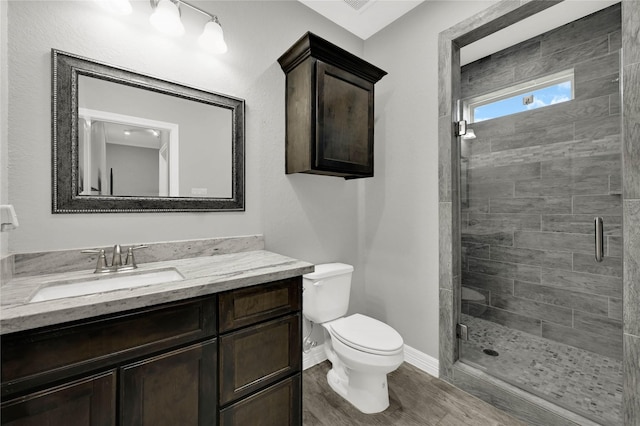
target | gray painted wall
x=249, y=70
x=532, y=183
x=399, y=236
x=135, y=169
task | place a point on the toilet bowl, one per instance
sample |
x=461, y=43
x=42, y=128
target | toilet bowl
x=362, y=350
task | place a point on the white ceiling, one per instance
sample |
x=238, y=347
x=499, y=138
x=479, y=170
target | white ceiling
x=553, y=17
x=366, y=17
x=363, y=18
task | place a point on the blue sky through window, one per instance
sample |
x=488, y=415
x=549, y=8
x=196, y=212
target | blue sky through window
x=555, y=94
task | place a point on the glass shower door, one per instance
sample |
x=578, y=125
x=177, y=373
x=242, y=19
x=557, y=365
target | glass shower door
x=542, y=313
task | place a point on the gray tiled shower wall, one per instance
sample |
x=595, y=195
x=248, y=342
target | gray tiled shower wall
x=532, y=183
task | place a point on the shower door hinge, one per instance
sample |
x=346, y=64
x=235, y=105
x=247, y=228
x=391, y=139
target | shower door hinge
x=462, y=332
x=461, y=128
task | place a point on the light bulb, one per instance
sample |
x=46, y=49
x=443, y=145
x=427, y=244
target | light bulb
x=212, y=38
x=166, y=18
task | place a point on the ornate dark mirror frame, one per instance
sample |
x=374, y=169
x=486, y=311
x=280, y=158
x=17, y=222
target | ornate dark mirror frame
x=66, y=68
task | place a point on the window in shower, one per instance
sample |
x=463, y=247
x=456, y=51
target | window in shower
x=538, y=93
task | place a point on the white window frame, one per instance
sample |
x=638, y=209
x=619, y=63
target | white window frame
x=469, y=105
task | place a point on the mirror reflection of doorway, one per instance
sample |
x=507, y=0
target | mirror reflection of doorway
x=127, y=156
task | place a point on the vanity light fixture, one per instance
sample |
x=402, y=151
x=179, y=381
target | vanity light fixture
x=166, y=19
x=212, y=38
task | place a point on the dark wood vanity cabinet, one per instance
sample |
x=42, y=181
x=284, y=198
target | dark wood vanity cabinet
x=260, y=355
x=133, y=368
x=165, y=365
x=329, y=109
x=175, y=388
x=88, y=401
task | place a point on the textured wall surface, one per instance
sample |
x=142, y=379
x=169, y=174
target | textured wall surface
x=531, y=184
x=631, y=196
x=399, y=235
x=287, y=207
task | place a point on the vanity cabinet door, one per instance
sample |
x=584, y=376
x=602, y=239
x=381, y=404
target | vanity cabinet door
x=86, y=402
x=278, y=405
x=37, y=357
x=174, y=388
x=345, y=122
x=257, y=356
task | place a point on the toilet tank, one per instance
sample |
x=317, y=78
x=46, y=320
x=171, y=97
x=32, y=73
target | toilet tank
x=326, y=292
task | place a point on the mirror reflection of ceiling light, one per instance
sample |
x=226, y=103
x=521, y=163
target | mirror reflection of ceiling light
x=153, y=132
x=166, y=19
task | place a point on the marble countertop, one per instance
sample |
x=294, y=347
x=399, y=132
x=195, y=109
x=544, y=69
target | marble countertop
x=202, y=276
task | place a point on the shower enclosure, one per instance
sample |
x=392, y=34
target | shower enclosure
x=531, y=297
x=541, y=312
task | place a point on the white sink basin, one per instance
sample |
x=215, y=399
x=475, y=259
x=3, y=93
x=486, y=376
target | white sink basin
x=104, y=283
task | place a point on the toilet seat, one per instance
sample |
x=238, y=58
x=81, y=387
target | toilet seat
x=368, y=335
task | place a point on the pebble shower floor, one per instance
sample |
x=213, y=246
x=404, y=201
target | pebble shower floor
x=581, y=381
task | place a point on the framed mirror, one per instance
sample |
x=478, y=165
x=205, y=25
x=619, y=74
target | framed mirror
x=128, y=142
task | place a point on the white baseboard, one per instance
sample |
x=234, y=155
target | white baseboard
x=313, y=357
x=422, y=361
x=418, y=359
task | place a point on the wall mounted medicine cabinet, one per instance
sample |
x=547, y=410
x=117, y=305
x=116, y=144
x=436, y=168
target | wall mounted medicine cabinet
x=329, y=109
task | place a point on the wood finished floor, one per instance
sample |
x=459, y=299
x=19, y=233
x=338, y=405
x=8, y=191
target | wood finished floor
x=415, y=398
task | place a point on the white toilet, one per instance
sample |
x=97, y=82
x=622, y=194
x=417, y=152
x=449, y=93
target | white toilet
x=362, y=350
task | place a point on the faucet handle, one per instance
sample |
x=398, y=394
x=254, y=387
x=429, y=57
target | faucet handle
x=130, y=260
x=101, y=264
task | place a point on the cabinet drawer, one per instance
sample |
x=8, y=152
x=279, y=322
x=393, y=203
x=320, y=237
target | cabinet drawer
x=87, y=402
x=176, y=388
x=239, y=308
x=278, y=405
x=257, y=356
x=37, y=357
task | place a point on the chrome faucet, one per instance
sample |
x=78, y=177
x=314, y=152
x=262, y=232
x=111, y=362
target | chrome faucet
x=116, y=261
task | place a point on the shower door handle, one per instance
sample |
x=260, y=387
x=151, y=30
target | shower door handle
x=599, y=239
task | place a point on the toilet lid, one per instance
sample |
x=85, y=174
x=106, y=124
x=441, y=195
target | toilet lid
x=367, y=334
